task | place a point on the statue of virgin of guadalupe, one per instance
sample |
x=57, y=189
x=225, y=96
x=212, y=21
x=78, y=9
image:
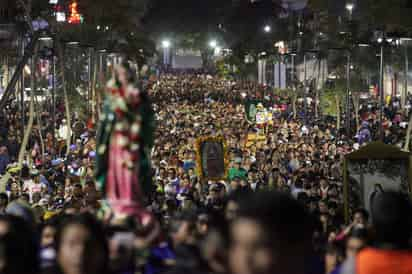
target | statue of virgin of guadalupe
x=124, y=140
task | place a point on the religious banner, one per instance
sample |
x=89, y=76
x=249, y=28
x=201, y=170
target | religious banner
x=251, y=110
x=263, y=116
x=374, y=169
x=260, y=118
x=212, y=158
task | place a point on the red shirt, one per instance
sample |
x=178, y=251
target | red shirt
x=372, y=261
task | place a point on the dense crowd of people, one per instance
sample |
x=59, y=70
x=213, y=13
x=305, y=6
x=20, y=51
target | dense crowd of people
x=280, y=209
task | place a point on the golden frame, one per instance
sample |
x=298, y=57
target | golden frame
x=218, y=139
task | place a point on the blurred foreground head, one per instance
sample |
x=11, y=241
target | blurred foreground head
x=81, y=246
x=271, y=234
x=18, y=248
x=392, y=221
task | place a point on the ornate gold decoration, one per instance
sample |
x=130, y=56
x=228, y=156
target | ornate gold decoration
x=198, y=145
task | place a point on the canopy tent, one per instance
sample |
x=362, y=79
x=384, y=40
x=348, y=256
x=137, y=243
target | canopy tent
x=378, y=151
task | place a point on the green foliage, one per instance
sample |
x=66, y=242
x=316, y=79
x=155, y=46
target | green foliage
x=241, y=68
x=328, y=103
x=287, y=92
x=223, y=69
x=328, y=100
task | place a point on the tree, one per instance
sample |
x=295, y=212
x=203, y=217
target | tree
x=333, y=100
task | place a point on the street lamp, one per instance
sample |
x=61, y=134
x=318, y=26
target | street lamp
x=267, y=29
x=166, y=44
x=213, y=44
x=348, y=95
x=381, y=41
x=405, y=41
x=381, y=92
x=166, y=51
x=349, y=7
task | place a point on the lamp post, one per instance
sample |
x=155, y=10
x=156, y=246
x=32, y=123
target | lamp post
x=262, y=59
x=54, y=95
x=381, y=91
x=349, y=7
x=304, y=89
x=22, y=87
x=405, y=41
x=293, y=68
x=405, y=89
x=213, y=44
x=166, y=52
x=382, y=41
x=89, y=76
x=348, y=101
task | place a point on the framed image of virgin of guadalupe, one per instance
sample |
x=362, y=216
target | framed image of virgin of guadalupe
x=372, y=170
x=212, y=158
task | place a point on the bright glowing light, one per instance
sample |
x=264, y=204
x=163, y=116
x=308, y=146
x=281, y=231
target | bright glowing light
x=60, y=16
x=166, y=44
x=47, y=38
x=380, y=40
x=213, y=44
x=350, y=6
x=267, y=28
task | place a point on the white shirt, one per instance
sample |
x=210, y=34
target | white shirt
x=63, y=131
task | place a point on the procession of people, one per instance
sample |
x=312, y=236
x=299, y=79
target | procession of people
x=131, y=195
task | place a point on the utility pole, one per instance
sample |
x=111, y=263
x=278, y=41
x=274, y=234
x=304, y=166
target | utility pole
x=381, y=97
x=305, y=91
x=348, y=99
